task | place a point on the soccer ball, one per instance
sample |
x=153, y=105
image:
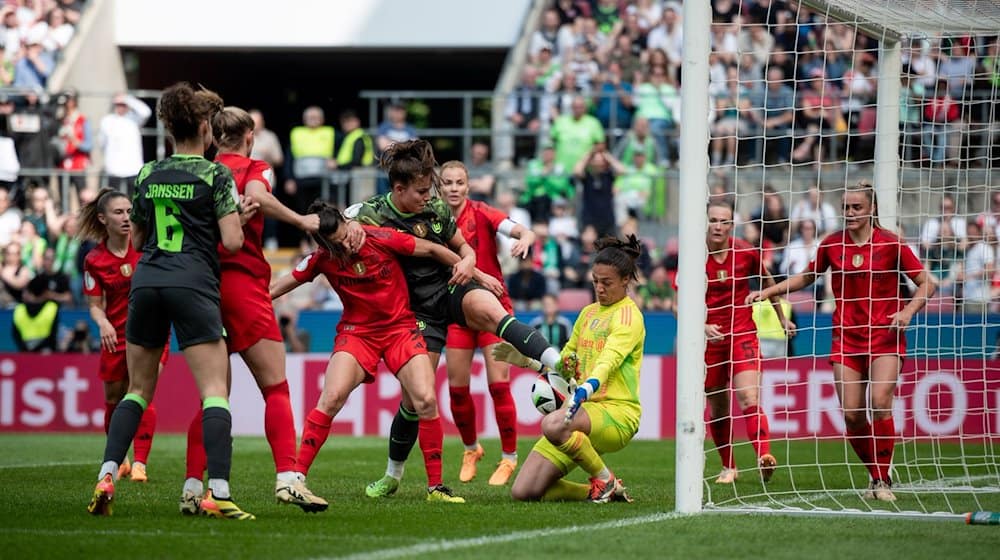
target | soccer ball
x=549, y=392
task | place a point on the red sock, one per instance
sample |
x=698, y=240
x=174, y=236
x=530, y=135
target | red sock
x=722, y=435
x=143, y=441
x=314, y=435
x=506, y=413
x=196, y=460
x=757, y=429
x=885, y=441
x=109, y=409
x=279, y=426
x=431, y=437
x=864, y=447
x=463, y=411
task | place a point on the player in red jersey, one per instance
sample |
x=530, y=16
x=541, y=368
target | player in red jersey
x=248, y=316
x=377, y=324
x=479, y=224
x=107, y=277
x=869, y=342
x=732, y=352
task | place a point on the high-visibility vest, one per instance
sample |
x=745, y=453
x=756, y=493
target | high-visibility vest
x=35, y=329
x=312, y=142
x=346, y=151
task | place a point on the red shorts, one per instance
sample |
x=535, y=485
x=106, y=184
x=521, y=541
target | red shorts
x=469, y=339
x=247, y=313
x=724, y=359
x=396, y=346
x=114, y=367
x=859, y=357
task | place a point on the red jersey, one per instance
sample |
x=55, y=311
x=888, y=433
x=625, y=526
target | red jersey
x=107, y=274
x=729, y=286
x=371, y=283
x=866, y=281
x=478, y=223
x=250, y=257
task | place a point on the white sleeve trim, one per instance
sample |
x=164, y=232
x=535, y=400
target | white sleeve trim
x=507, y=226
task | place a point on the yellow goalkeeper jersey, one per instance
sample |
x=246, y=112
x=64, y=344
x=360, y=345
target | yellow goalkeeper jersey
x=608, y=341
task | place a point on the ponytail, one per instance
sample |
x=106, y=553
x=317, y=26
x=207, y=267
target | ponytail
x=621, y=254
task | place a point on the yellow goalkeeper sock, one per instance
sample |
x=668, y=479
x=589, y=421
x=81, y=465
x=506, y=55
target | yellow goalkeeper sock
x=579, y=448
x=563, y=490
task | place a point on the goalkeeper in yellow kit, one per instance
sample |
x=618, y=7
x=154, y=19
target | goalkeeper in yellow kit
x=603, y=357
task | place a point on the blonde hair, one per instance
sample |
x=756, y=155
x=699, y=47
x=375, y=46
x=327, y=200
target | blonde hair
x=229, y=126
x=865, y=187
x=455, y=164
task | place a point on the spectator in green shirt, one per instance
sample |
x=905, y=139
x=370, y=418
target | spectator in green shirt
x=575, y=134
x=544, y=179
x=633, y=188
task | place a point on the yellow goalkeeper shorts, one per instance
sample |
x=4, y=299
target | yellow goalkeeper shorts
x=612, y=426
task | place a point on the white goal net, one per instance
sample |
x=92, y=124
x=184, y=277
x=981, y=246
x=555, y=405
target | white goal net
x=805, y=98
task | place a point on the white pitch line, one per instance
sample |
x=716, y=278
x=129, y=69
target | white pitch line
x=446, y=545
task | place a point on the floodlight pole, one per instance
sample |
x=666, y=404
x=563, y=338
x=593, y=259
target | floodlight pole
x=690, y=454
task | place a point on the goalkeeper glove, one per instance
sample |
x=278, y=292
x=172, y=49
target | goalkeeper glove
x=505, y=352
x=581, y=394
x=569, y=367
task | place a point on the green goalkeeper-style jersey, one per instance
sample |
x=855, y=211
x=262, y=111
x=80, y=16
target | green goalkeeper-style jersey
x=178, y=202
x=426, y=278
x=608, y=341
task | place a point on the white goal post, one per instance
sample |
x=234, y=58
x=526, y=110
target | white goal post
x=947, y=408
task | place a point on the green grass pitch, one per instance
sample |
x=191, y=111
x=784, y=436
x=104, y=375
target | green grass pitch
x=46, y=482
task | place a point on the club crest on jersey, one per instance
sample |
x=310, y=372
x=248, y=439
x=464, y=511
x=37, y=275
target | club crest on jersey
x=126, y=270
x=420, y=230
x=437, y=227
x=857, y=260
x=721, y=275
x=88, y=281
x=359, y=268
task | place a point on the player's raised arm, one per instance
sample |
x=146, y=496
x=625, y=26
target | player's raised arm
x=273, y=208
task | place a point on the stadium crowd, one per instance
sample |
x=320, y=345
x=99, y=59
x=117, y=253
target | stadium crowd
x=596, y=118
